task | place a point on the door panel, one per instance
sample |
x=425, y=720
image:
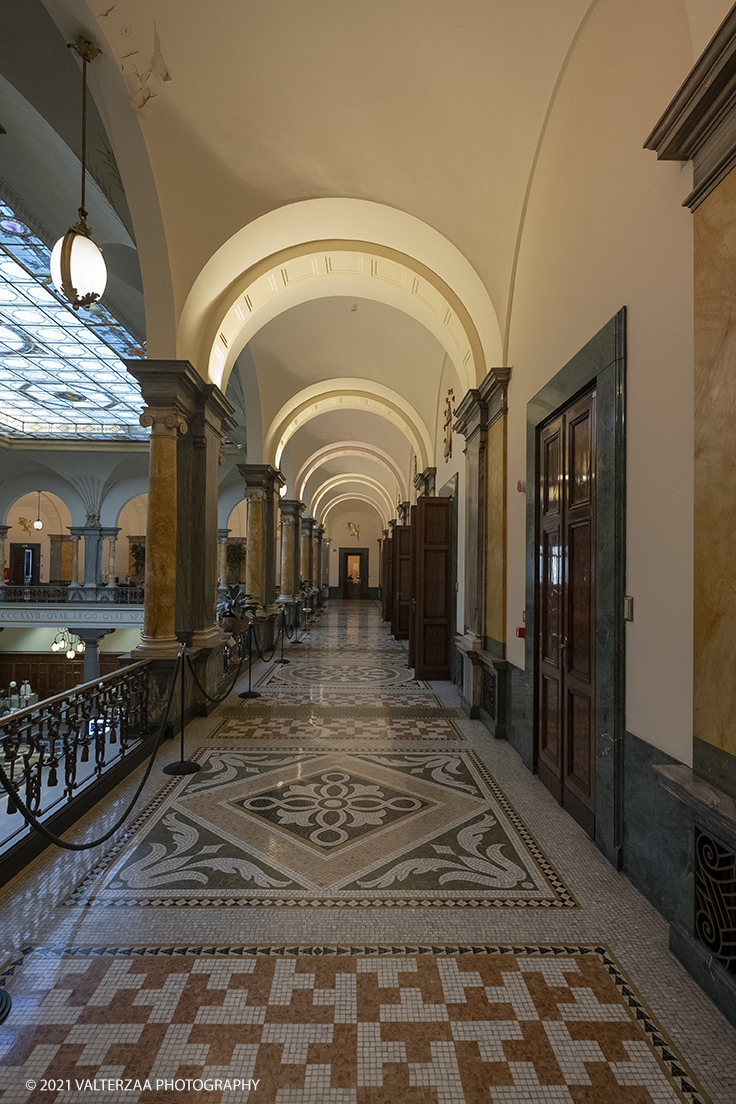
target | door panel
x=401, y=582
x=433, y=549
x=566, y=609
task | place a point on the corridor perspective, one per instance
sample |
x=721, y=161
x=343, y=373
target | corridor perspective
x=401, y=336
x=361, y=897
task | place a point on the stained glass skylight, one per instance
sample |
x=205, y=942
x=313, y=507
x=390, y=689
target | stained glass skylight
x=61, y=373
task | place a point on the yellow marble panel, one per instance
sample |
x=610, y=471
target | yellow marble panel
x=714, y=651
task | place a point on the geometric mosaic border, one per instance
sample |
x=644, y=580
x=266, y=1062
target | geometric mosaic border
x=671, y=1061
x=563, y=899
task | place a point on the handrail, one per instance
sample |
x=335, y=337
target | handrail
x=45, y=703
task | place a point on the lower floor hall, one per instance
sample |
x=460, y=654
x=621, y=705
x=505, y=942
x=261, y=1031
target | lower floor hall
x=360, y=897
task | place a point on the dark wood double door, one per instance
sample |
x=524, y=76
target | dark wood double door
x=418, y=575
x=566, y=622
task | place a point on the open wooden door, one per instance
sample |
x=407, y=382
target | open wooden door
x=401, y=582
x=432, y=527
x=565, y=641
x=412, y=584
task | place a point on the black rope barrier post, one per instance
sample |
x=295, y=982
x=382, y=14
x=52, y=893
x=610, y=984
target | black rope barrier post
x=184, y=766
x=5, y=1005
x=250, y=692
x=282, y=632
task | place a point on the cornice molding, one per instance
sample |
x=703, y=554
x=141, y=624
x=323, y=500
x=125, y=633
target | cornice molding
x=699, y=125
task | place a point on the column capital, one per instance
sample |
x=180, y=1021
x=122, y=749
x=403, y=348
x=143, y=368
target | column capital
x=308, y=524
x=165, y=421
x=291, y=509
x=424, y=482
x=223, y=534
x=4, y=530
x=261, y=477
x=109, y=531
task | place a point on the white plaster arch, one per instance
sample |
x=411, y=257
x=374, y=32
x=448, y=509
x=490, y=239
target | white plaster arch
x=286, y=257
x=118, y=498
x=347, y=448
x=40, y=480
x=353, y=498
x=346, y=394
x=228, y=499
x=338, y=481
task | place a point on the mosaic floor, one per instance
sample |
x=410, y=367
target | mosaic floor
x=361, y=897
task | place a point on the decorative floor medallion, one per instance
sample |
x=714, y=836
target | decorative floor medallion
x=307, y=724
x=458, y=1024
x=331, y=828
x=308, y=672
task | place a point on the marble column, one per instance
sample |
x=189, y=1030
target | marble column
x=110, y=534
x=480, y=410
x=319, y=532
x=262, y=483
x=222, y=535
x=91, y=639
x=326, y=547
x=291, y=512
x=92, y=577
x=75, y=559
x=307, y=550
x=188, y=418
x=4, y=530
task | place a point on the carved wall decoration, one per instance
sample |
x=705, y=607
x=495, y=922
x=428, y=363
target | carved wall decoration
x=449, y=415
x=354, y=530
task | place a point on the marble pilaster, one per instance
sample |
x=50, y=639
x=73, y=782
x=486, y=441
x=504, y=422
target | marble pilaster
x=222, y=535
x=291, y=512
x=4, y=530
x=110, y=534
x=479, y=410
x=319, y=532
x=307, y=549
x=262, y=483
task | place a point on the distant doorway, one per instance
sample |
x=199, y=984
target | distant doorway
x=25, y=564
x=354, y=572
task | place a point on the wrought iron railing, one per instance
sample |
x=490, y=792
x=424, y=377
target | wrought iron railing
x=43, y=595
x=56, y=748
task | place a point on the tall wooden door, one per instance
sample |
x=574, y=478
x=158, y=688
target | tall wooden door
x=401, y=582
x=565, y=634
x=388, y=581
x=432, y=550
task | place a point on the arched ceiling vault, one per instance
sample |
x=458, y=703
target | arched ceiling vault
x=343, y=449
x=347, y=480
x=347, y=394
x=355, y=497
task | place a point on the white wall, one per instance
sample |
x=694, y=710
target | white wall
x=604, y=229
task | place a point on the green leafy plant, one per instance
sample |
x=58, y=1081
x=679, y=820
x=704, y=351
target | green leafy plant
x=138, y=556
x=237, y=603
x=235, y=555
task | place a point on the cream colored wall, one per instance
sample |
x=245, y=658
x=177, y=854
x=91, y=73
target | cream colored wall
x=715, y=464
x=605, y=229
x=40, y=639
x=55, y=517
x=370, y=533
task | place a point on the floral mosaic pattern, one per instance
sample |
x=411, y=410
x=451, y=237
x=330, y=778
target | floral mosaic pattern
x=327, y=827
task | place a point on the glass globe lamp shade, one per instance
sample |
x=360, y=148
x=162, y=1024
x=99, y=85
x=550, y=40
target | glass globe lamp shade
x=54, y=647
x=77, y=269
x=62, y=644
x=70, y=654
x=38, y=524
x=80, y=647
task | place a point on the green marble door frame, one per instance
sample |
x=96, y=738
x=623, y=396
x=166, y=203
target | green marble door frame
x=601, y=363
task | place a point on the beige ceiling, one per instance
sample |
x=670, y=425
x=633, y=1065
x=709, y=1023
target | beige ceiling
x=433, y=108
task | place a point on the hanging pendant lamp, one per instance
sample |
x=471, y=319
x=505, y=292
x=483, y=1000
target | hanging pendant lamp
x=77, y=267
x=38, y=524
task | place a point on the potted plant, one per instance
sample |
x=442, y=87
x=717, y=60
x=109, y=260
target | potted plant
x=235, y=609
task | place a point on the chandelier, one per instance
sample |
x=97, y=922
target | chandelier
x=68, y=642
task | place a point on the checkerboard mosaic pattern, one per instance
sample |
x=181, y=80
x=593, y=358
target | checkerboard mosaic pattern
x=348, y=727
x=328, y=828
x=450, y=1024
